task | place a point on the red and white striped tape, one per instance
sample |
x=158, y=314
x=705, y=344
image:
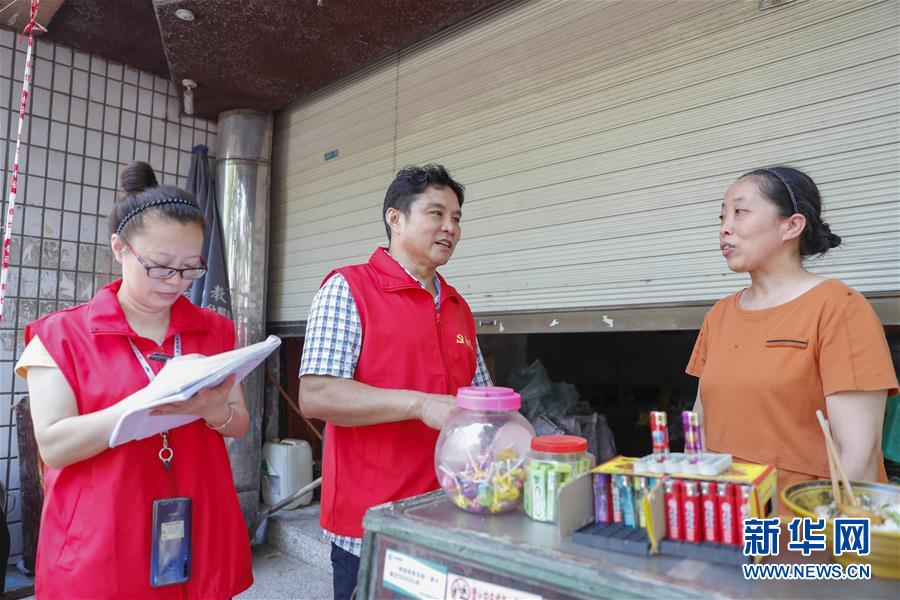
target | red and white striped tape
x=13, y=188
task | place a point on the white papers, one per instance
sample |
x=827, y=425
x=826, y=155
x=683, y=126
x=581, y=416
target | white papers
x=181, y=378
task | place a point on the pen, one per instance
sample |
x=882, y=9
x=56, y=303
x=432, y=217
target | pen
x=160, y=357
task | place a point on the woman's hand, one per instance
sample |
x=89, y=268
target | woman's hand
x=211, y=404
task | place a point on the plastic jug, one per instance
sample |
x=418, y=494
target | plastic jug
x=287, y=466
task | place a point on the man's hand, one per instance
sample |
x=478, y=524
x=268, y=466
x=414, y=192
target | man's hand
x=436, y=410
x=348, y=403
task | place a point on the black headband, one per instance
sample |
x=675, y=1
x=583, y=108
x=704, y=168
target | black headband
x=151, y=204
x=784, y=181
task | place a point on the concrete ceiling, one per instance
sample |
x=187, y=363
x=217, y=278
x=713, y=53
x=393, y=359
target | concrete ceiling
x=259, y=54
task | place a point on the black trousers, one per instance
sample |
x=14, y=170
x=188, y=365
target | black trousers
x=345, y=568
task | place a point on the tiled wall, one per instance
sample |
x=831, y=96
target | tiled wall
x=88, y=117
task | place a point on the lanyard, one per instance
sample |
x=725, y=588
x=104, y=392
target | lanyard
x=143, y=361
x=165, y=453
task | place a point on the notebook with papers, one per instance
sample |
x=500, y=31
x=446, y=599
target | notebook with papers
x=181, y=378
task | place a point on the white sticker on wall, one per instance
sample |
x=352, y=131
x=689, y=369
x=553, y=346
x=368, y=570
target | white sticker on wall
x=413, y=576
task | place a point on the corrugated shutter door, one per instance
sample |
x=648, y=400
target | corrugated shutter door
x=596, y=140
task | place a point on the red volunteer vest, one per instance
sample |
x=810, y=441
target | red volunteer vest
x=406, y=344
x=95, y=527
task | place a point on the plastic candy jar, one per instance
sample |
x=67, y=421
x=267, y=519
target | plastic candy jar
x=553, y=460
x=480, y=454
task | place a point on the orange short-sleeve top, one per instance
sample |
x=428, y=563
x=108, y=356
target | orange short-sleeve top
x=764, y=373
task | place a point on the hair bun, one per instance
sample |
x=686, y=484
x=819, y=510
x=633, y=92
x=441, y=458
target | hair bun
x=832, y=240
x=136, y=177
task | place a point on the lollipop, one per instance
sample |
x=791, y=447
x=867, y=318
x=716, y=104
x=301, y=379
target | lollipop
x=488, y=483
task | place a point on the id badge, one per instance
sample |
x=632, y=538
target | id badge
x=170, y=551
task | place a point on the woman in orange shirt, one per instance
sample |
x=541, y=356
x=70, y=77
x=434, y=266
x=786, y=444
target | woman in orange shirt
x=793, y=342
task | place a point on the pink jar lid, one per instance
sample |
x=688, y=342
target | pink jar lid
x=488, y=398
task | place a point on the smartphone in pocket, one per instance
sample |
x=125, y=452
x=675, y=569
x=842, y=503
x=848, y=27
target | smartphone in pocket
x=170, y=551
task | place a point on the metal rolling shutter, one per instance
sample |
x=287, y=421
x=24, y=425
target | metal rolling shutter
x=596, y=140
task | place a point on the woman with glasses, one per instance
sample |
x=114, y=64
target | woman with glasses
x=100, y=524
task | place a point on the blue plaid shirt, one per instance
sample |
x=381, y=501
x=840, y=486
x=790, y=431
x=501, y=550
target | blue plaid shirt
x=332, y=346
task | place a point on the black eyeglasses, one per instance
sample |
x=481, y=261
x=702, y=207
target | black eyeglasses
x=159, y=272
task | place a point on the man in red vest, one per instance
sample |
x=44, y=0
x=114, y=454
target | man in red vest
x=388, y=343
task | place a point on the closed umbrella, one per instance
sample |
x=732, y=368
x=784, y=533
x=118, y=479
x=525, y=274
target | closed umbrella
x=211, y=290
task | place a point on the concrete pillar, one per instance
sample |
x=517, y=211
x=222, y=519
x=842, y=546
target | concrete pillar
x=242, y=191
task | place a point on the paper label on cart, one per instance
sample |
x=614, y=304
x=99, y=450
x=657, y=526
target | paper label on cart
x=466, y=588
x=413, y=576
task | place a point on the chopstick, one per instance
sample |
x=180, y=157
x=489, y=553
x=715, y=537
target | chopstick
x=832, y=471
x=835, y=459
